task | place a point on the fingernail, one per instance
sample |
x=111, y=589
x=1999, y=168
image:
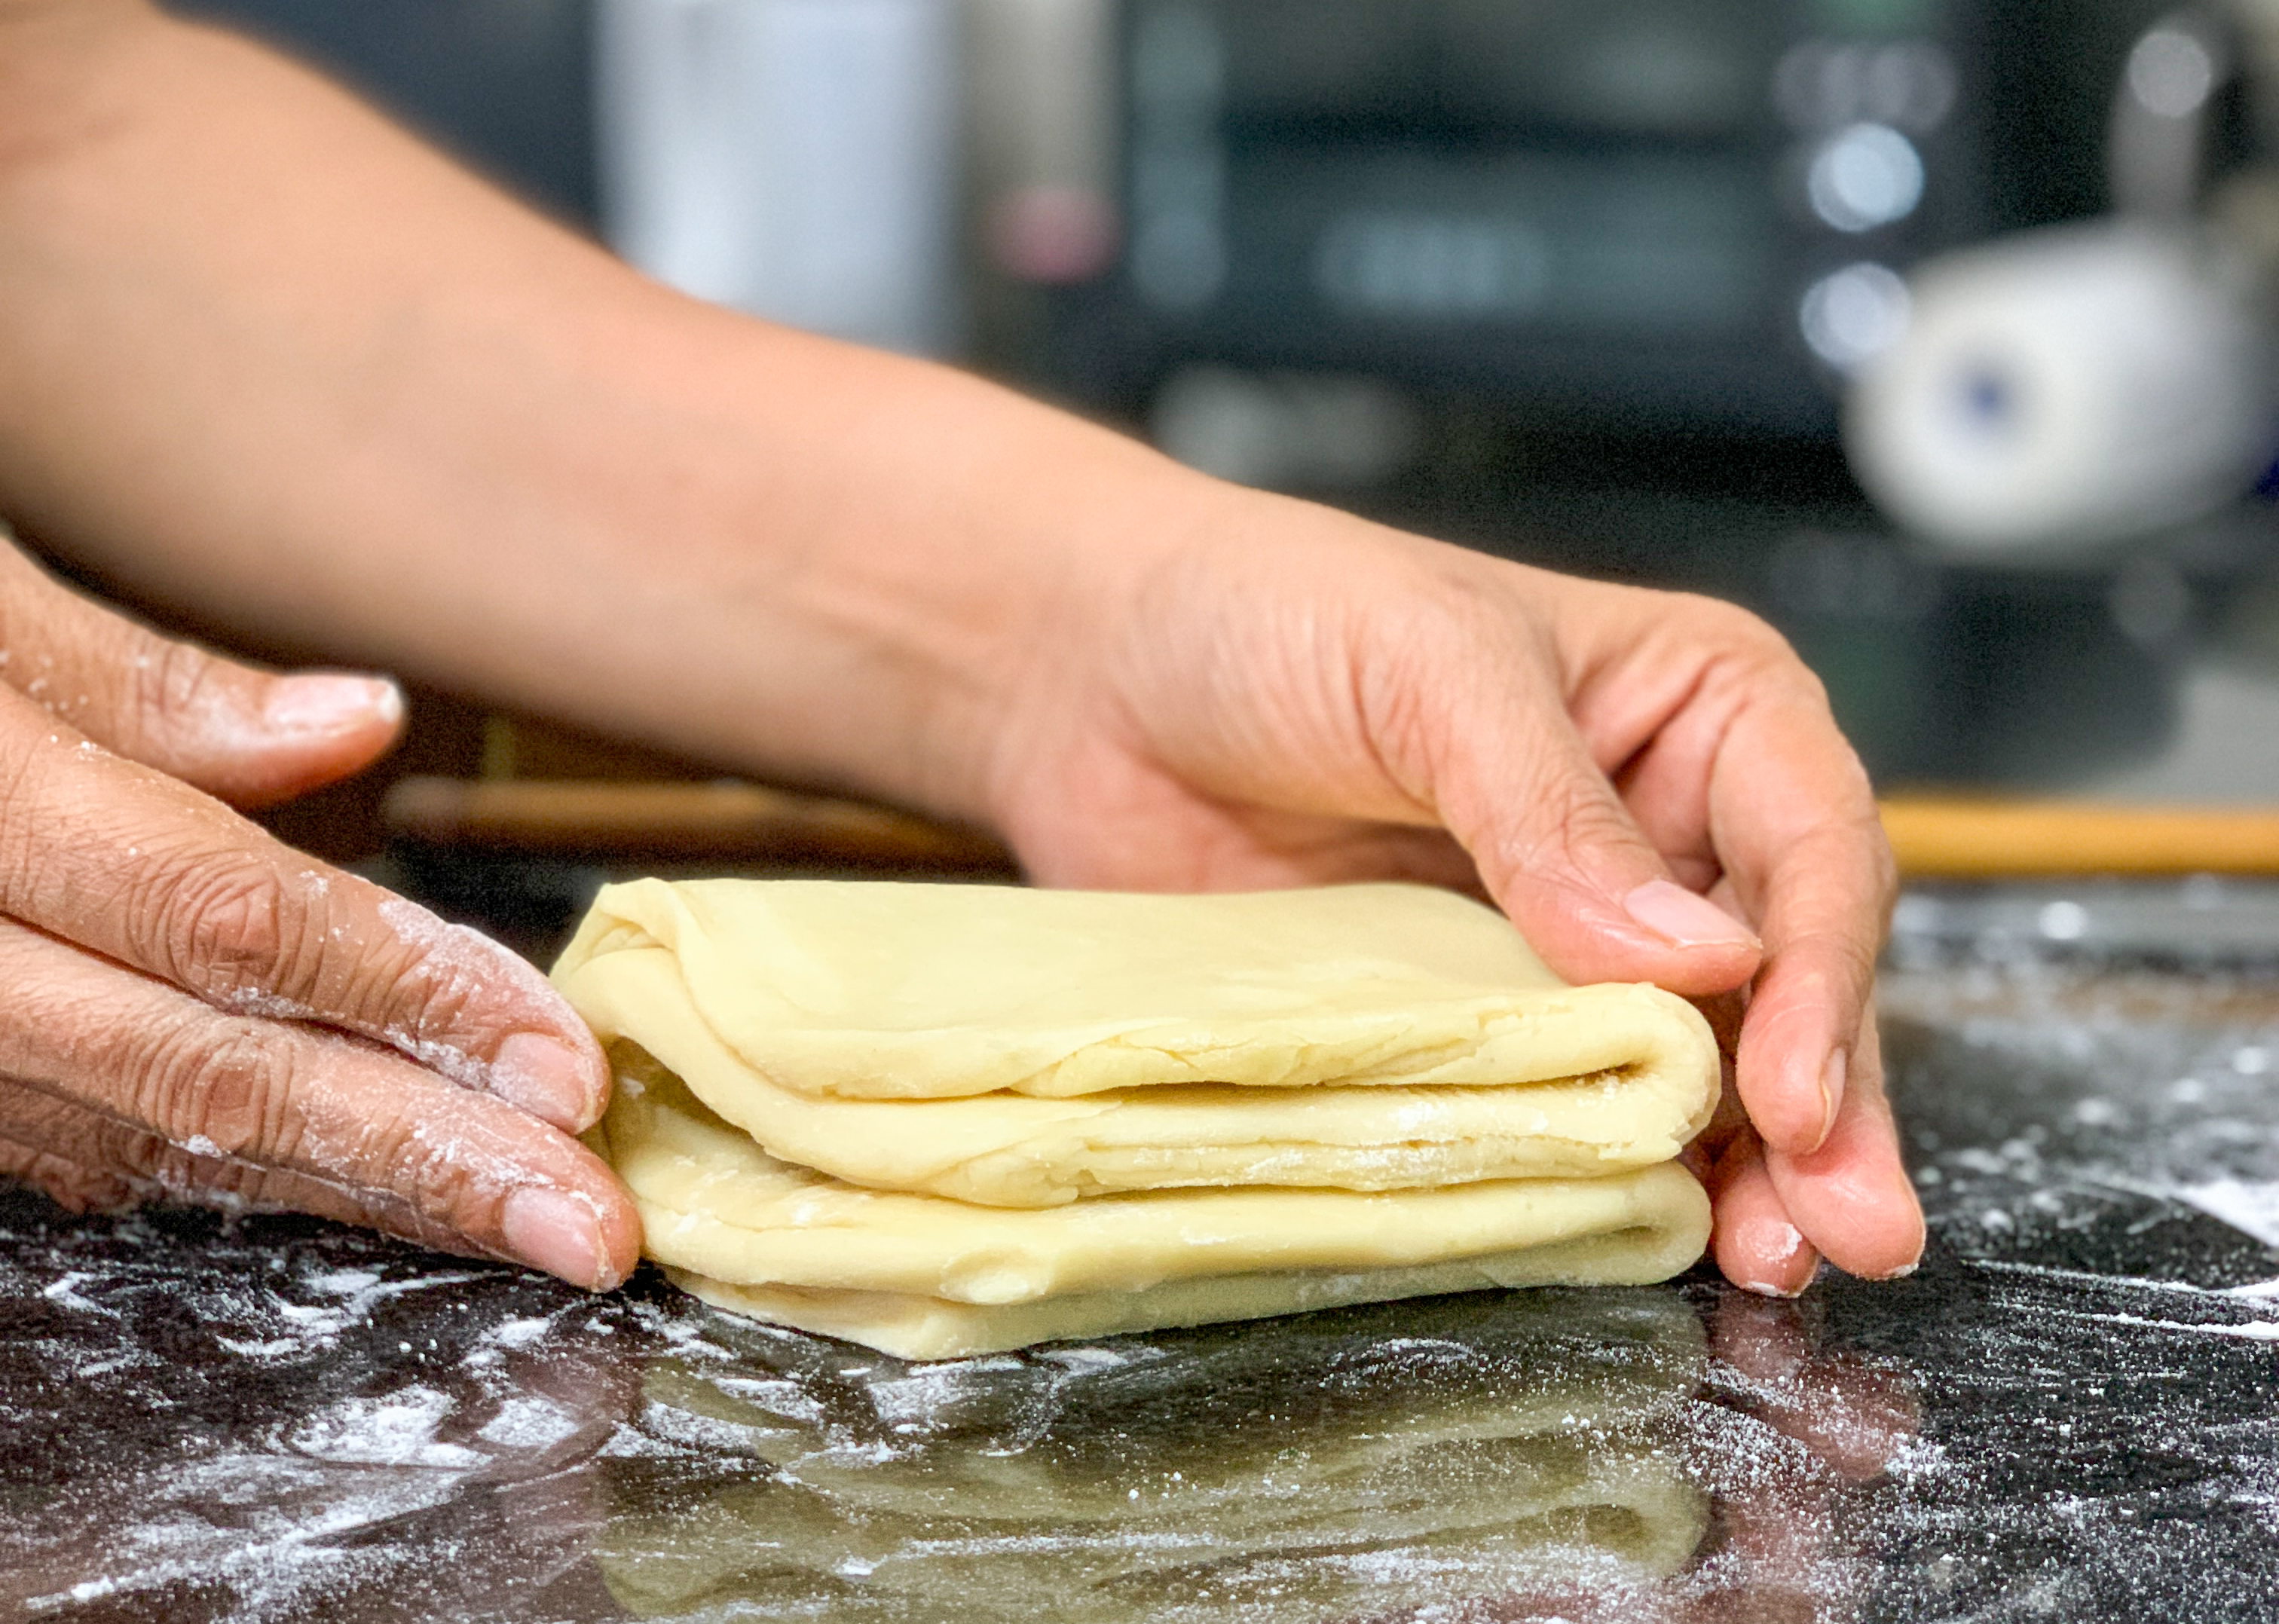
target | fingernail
x=1831, y=1093
x=1778, y=1242
x=319, y=703
x=1766, y=1287
x=546, y=1078
x=555, y=1232
x=1687, y=919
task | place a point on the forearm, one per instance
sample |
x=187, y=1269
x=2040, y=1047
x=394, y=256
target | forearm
x=267, y=356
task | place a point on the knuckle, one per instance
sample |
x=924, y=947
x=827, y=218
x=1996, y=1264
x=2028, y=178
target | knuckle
x=1854, y=955
x=22, y=826
x=1742, y=630
x=225, y=1090
x=1431, y=651
x=404, y=1156
x=439, y=987
x=1468, y=608
x=226, y=926
x=1743, y=646
x=1810, y=691
x=1852, y=842
x=68, y=1183
x=169, y=682
x=1884, y=869
x=1573, y=816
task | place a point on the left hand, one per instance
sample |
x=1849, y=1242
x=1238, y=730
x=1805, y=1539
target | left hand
x=194, y=1009
x=1287, y=696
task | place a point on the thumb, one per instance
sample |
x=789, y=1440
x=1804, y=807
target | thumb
x=246, y=736
x=1560, y=853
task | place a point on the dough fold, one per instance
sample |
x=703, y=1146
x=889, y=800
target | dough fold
x=1028, y=1048
x=944, y=1120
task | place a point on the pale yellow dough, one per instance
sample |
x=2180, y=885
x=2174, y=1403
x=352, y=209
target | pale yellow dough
x=836, y=1098
x=1026, y=1048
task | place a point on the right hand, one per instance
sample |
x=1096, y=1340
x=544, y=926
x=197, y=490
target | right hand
x=1261, y=692
x=193, y=1009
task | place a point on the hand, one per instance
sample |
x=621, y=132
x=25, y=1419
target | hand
x=196, y=1009
x=1276, y=696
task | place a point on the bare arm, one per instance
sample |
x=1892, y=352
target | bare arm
x=264, y=353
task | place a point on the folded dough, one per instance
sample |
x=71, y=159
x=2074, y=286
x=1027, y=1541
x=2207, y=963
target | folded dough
x=836, y=1099
x=923, y=1277
x=1026, y=1048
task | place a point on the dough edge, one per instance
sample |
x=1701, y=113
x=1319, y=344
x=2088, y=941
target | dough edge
x=910, y=1325
x=1024, y=1151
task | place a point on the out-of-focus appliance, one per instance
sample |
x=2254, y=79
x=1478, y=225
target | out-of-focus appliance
x=1634, y=215
x=2059, y=390
x=796, y=159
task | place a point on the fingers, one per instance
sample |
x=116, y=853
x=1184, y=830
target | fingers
x=1463, y=701
x=1735, y=768
x=1757, y=1246
x=88, y=1162
x=113, y=1166
x=246, y=736
x=65, y=1180
x=104, y=725
x=386, y=1136
x=1852, y=1196
x=1726, y=746
x=1850, y=1200
x=1565, y=861
x=120, y=859
x=1755, y=768
x=1796, y=827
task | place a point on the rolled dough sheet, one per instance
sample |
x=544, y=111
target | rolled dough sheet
x=1030, y=1048
x=921, y=1276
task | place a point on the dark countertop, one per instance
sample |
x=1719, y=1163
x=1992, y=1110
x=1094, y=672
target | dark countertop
x=2068, y=1413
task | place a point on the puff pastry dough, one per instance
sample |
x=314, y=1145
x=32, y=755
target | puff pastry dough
x=941, y=1119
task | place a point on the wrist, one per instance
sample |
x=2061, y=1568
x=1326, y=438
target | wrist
x=1024, y=536
x=876, y=564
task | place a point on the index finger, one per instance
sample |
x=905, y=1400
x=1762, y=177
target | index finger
x=146, y=870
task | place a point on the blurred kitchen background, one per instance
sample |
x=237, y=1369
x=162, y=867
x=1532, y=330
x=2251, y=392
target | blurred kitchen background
x=1934, y=330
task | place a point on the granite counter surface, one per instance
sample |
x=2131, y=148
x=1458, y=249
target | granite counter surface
x=2068, y=1413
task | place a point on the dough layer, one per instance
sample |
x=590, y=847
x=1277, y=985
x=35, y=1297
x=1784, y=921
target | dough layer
x=923, y=1277
x=1025, y=1048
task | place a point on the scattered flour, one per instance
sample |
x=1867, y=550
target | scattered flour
x=393, y=1429
x=2251, y=1206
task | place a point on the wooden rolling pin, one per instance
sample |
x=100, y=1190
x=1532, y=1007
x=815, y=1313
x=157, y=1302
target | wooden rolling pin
x=1936, y=838
x=721, y=822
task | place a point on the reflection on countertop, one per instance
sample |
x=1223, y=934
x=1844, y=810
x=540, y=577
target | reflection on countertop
x=1341, y=1465
x=2066, y=1413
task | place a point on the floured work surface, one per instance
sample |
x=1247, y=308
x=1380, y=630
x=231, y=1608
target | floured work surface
x=942, y=1119
x=245, y=1422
